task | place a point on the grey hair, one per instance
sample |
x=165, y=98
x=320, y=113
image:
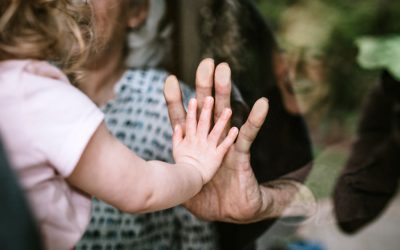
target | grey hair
x=221, y=29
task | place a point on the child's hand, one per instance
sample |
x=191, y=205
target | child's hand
x=199, y=147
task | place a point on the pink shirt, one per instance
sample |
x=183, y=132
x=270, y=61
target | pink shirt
x=45, y=125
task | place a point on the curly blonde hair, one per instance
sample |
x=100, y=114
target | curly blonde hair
x=52, y=30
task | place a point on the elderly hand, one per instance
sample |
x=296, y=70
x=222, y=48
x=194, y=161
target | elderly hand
x=233, y=195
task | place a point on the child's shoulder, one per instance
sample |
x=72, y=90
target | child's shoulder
x=11, y=71
x=28, y=80
x=21, y=71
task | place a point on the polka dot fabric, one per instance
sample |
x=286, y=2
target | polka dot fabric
x=138, y=117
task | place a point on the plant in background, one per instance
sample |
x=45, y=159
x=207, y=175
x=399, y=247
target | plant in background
x=380, y=53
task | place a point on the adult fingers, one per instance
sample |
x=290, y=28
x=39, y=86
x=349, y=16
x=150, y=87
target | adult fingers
x=249, y=130
x=204, y=81
x=203, y=126
x=177, y=136
x=223, y=87
x=173, y=98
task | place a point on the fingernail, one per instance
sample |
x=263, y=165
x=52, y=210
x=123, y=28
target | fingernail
x=223, y=73
x=192, y=102
x=227, y=112
x=205, y=69
x=235, y=130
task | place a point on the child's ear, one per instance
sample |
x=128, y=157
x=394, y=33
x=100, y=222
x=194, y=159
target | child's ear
x=138, y=15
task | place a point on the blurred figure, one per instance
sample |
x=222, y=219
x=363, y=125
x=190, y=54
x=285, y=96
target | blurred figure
x=370, y=177
x=236, y=32
x=304, y=32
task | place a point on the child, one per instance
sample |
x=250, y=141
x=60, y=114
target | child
x=58, y=143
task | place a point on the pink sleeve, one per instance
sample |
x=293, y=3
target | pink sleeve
x=60, y=120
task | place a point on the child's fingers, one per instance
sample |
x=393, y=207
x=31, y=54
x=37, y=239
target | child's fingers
x=177, y=136
x=203, y=126
x=191, y=119
x=219, y=126
x=228, y=141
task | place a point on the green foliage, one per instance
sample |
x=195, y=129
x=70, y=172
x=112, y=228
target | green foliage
x=380, y=53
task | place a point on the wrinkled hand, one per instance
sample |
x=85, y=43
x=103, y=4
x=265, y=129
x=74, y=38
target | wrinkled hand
x=233, y=195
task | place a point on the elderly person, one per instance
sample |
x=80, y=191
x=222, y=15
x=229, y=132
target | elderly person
x=130, y=92
x=235, y=32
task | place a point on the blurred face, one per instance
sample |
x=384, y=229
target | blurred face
x=305, y=30
x=112, y=19
x=309, y=79
x=305, y=60
x=109, y=22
